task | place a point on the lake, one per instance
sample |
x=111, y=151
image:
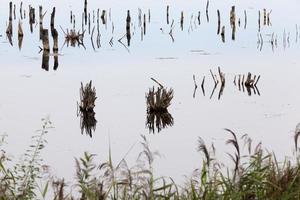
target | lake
x=171, y=53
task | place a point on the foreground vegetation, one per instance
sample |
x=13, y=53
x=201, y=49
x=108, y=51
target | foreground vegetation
x=257, y=175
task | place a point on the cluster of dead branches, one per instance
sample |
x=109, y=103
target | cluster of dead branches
x=158, y=100
x=87, y=104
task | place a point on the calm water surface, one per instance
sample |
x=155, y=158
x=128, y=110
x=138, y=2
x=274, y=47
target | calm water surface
x=122, y=75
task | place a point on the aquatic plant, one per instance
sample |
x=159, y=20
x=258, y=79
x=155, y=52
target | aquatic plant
x=255, y=175
x=21, y=180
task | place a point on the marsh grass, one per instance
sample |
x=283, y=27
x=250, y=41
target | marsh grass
x=256, y=174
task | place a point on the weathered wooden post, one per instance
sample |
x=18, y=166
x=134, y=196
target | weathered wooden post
x=265, y=16
x=181, y=20
x=89, y=25
x=128, y=21
x=85, y=12
x=168, y=8
x=14, y=11
x=46, y=49
x=41, y=22
x=20, y=35
x=82, y=22
x=207, y=16
x=74, y=21
x=45, y=61
x=245, y=14
x=52, y=21
x=140, y=17
x=9, y=30
x=45, y=39
x=232, y=22
x=144, y=24
x=55, y=41
x=219, y=22
x=55, y=66
x=268, y=18
x=223, y=34
x=93, y=16
x=103, y=17
x=54, y=32
x=21, y=7
x=20, y=30
x=259, y=21
x=31, y=17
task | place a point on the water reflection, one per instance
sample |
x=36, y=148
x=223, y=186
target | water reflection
x=9, y=30
x=45, y=61
x=128, y=33
x=86, y=109
x=88, y=122
x=20, y=35
x=89, y=22
x=158, y=100
x=245, y=83
x=156, y=121
x=248, y=84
